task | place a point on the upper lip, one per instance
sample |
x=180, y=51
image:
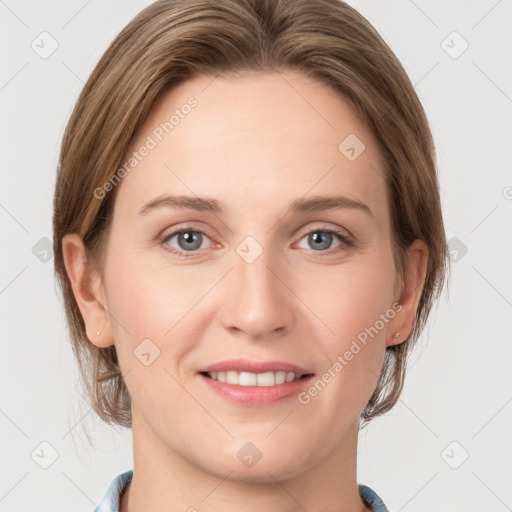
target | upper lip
x=246, y=365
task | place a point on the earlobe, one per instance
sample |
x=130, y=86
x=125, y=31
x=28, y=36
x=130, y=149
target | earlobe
x=412, y=287
x=88, y=291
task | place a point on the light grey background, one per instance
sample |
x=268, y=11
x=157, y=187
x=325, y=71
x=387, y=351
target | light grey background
x=458, y=394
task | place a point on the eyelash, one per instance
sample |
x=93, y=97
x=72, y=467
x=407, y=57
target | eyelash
x=345, y=241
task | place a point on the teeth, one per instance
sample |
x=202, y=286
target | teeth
x=244, y=379
x=266, y=379
x=290, y=376
x=281, y=377
x=254, y=379
x=232, y=377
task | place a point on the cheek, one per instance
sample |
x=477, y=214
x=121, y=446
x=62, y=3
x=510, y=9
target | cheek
x=149, y=310
x=138, y=303
x=147, y=299
x=351, y=299
x=355, y=306
x=160, y=303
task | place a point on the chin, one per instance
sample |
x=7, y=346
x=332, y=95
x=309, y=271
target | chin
x=261, y=473
x=260, y=467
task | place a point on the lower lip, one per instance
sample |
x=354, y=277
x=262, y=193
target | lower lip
x=256, y=395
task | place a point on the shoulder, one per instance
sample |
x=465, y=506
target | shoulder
x=110, y=501
x=372, y=499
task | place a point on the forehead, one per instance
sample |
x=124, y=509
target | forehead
x=255, y=138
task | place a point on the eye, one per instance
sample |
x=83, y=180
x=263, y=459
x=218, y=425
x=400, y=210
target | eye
x=188, y=241
x=321, y=239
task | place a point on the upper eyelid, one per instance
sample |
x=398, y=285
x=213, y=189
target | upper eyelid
x=302, y=234
x=174, y=231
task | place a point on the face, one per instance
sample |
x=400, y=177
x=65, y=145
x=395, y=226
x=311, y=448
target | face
x=261, y=282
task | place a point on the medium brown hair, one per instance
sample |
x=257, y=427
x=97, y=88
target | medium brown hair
x=172, y=41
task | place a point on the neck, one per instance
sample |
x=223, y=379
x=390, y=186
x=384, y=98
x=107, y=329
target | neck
x=163, y=480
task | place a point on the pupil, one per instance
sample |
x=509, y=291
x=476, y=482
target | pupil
x=189, y=238
x=317, y=237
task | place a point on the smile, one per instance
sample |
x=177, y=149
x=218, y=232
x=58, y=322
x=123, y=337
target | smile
x=254, y=383
x=254, y=379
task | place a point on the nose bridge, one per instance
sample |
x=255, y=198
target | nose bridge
x=256, y=301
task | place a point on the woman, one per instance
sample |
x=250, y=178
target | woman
x=249, y=240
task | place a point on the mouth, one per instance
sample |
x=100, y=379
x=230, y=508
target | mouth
x=253, y=383
x=255, y=379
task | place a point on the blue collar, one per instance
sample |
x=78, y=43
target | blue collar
x=110, y=502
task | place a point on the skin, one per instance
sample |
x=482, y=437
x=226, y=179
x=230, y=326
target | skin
x=255, y=143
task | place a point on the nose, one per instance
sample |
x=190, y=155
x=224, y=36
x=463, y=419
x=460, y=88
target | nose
x=257, y=299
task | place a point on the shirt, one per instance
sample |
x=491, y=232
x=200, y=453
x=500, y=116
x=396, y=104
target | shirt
x=110, y=502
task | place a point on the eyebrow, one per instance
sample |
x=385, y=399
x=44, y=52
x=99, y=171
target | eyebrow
x=314, y=204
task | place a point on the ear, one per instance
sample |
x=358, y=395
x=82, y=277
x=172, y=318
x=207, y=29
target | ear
x=411, y=288
x=88, y=291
